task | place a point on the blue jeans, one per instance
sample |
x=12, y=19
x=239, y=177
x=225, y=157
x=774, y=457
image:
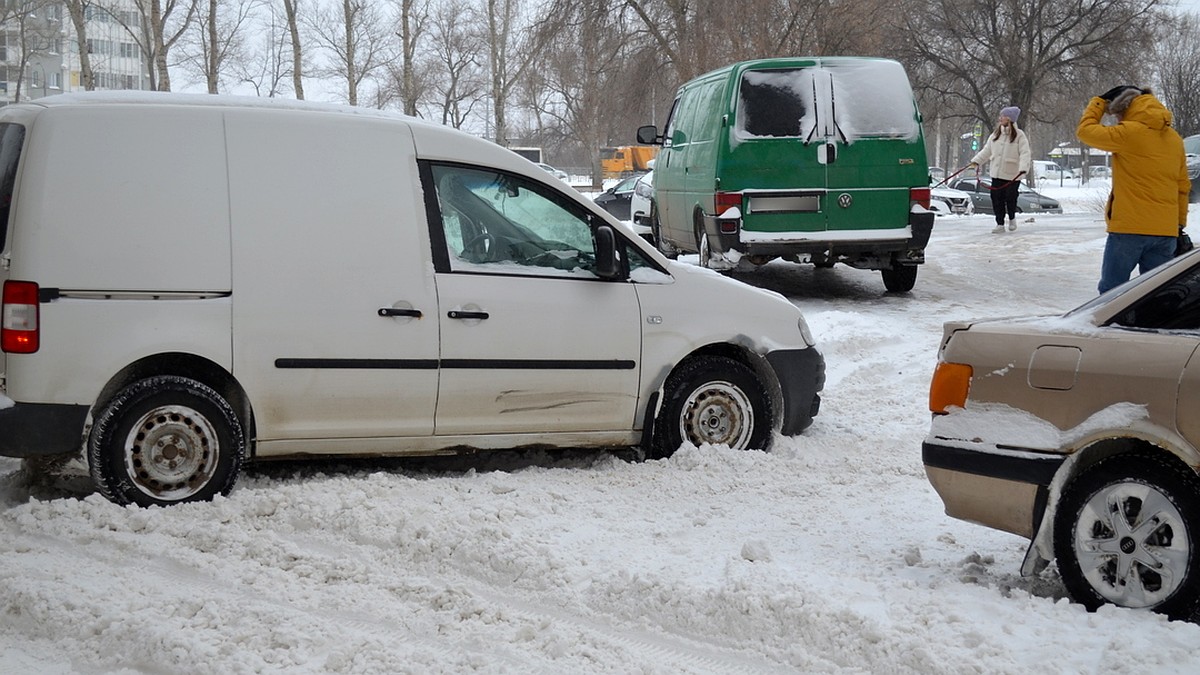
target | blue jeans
x=1123, y=252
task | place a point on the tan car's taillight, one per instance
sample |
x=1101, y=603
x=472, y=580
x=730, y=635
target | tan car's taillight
x=951, y=382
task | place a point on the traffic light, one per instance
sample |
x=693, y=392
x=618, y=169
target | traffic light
x=974, y=143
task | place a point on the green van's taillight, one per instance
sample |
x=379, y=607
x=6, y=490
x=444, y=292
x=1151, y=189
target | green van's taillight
x=726, y=201
x=919, y=196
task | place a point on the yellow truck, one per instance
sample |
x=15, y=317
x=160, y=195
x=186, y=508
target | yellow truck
x=626, y=160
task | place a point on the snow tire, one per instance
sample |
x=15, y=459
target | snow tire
x=166, y=440
x=716, y=400
x=1127, y=532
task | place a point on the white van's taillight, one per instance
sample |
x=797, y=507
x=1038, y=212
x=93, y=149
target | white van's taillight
x=19, y=331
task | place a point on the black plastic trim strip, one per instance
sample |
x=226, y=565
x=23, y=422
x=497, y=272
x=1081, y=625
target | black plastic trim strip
x=457, y=364
x=1032, y=470
x=363, y=364
x=537, y=364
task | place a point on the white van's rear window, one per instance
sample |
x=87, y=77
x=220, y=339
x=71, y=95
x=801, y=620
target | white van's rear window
x=12, y=138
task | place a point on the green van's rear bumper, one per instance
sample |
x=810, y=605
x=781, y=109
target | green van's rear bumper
x=871, y=247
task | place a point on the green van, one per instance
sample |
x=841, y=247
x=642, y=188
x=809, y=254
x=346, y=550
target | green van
x=810, y=159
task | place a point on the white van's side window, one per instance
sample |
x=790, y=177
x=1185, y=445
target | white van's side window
x=12, y=138
x=499, y=222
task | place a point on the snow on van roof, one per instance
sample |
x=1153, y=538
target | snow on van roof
x=166, y=98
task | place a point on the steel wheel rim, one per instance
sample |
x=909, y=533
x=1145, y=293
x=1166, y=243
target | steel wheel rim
x=171, y=452
x=1132, y=545
x=717, y=413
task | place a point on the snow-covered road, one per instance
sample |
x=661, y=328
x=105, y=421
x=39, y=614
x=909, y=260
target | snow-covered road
x=829, y=554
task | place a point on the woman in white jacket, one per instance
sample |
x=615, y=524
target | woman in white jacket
x=1007, y=151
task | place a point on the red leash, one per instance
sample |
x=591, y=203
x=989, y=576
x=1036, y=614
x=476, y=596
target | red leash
x=947, y=178
x=1001, y=187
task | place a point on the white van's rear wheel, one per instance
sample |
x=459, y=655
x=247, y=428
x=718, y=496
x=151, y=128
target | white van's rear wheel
x=165, y=440
x=714, y=400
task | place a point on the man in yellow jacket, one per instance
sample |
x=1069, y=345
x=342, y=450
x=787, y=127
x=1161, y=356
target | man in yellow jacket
x=1148, y=205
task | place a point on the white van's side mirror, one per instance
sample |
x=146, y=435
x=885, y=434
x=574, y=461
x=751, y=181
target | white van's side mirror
x=607, y=266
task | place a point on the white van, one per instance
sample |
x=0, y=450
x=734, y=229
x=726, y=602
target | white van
x=190, y=282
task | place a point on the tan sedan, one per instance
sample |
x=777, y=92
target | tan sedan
x=1081, y=432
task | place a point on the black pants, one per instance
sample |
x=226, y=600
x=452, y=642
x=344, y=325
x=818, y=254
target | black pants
x=1004, y=198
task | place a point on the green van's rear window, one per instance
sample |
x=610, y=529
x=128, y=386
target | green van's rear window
x=843, y=99
x=773, y=102
x=12, y=138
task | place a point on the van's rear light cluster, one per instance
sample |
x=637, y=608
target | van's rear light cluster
x=726, y=201
x=919, y=196
x=19, y=329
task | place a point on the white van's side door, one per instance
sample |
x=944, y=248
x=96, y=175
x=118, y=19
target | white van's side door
x=335, y=329
x=532, y=340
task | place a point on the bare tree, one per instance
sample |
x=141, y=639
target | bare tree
x=25, y=20
x=356, y=36
x=77, y=10
x=269, y=62
x=216, y=45
x=456, y=49
x=1178, y=61
x=512, y=47
x=291, y=9
x=581, y=79
x=156, y=28
x=979, y=54
x=413, y=17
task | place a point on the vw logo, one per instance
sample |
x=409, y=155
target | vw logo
x=845, y=200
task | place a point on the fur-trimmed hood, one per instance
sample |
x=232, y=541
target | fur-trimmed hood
x=1140, y=105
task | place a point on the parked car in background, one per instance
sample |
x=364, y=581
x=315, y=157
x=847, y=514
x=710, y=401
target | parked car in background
x=557, y=173
x=1047, y=170
x=616, y=199
x=641, y=206
x=1028, y=201
x=1099, y=172
x=946, y=201
x=1079, y=433
x=936, y=175
x=1191, y=145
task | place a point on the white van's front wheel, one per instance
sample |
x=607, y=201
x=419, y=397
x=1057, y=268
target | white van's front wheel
x=165, y=440
x=714, y=400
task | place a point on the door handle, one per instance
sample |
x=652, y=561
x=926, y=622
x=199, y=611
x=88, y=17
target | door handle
x=397, y=311
x=459, y=314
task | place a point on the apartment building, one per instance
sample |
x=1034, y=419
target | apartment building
x=39, y=50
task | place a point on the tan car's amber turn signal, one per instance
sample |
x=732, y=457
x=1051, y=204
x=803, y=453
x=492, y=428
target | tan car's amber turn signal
x=951, y=382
